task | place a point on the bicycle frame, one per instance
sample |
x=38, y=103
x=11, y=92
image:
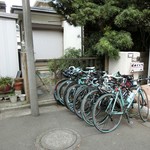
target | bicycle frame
x=119, y=95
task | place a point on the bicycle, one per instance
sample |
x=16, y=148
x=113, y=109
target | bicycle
x=92, y=96
x=74, y=87
x=109, y=108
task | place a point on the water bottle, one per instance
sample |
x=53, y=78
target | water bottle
x=131, y=97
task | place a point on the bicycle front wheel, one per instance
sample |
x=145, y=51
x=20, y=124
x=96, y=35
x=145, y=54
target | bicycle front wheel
x=56, y=89
x=107, y=113
x=87, y=105
x=69, y=97
x=79, y=95
x=143, y=105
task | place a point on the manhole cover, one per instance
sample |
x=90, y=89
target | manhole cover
x=58, y=139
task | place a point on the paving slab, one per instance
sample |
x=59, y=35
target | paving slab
x=21, y=132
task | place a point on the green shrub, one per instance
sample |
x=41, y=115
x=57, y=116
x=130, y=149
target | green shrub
x=57, y=65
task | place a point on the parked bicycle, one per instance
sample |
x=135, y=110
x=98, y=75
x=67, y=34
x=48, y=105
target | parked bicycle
x=109, y=108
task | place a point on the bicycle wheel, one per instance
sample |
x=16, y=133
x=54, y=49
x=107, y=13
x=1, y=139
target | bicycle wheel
x=69, y=97
x=107, y=113
x=61, y=89
x=56, y=89
x=66, y=90
x=82, y=91
x=87, y=105
x=143, y=105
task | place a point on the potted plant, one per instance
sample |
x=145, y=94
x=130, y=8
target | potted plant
x=5, y=85
x=18, y=83
x=22, y=97
x=13, y=97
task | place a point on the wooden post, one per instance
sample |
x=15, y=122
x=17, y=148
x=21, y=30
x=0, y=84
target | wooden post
x=25, y=74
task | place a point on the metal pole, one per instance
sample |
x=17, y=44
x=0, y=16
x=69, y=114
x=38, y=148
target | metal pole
x=82, y=41
x=30, y=57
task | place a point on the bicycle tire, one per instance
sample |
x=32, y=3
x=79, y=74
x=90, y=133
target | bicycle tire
x=61, y=89
x=87, y=105
x=69, y=98
x=66, y=90
x=81, y=92
x=103, y=119
x=56, y=88
x=143, y=105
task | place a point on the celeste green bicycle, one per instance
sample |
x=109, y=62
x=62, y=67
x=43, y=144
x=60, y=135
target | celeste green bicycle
x=109, y=108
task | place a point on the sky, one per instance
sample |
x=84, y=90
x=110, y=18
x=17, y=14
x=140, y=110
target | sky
x=9, y=3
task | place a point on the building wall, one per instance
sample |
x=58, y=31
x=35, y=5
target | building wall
x=72, y=36
x=8, y=48
x=51, y=36
x=123, y=64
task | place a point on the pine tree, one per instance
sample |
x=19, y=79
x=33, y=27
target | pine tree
x=110, y=25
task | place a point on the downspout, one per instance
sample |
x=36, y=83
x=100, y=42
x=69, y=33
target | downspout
x=82, y=41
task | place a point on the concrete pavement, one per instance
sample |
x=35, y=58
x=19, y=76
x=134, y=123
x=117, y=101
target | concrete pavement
x=19, y=131
x=147, y=90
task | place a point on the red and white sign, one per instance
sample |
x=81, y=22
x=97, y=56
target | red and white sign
x=137, y=66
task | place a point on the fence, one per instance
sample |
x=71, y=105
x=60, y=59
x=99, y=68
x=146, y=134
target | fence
x=46, y=79
x=43, y=65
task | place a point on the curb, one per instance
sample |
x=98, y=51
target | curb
x=26, y=104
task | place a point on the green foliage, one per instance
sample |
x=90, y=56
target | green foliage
x=114, y=41
x=74, y=11
x=5, y=84
x=129, y=16
x=4, y=81
x=72, y=53
x=57, y=65
x=129, y=20
x=91, y=40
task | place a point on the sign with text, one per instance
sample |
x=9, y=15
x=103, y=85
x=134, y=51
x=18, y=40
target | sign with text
x=137, y=66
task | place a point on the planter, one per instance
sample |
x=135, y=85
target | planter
x=22, y=97
x=18, y=85
x=5, y=85
x=13, y=98
x=6, y=89
x=18, y=80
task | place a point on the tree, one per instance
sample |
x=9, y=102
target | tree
x=116, y=25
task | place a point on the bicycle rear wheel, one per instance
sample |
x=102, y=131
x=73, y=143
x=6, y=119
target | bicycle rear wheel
x=143, y=105
x=66, y=90
x=69, y=97
x=79, y=95
x=61, y=89
x=56, y=89
x=87, y=105
x=105, y=117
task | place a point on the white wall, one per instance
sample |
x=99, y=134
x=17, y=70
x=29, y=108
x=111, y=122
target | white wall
x=72, y=36
x=8, y=48
x=55, y=38
x=123, y=64
x=50, y=43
